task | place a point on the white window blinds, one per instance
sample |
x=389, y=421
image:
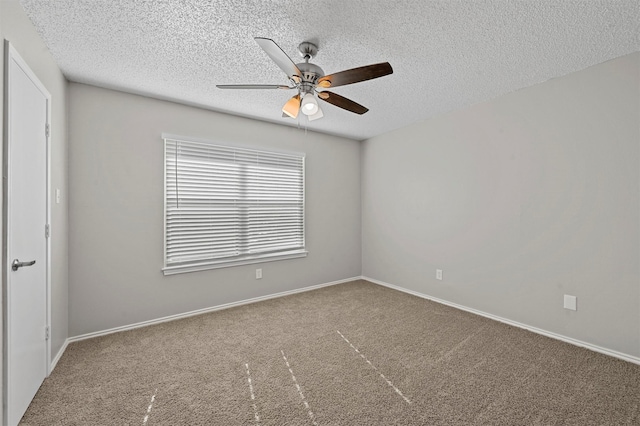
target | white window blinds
x=228, y=205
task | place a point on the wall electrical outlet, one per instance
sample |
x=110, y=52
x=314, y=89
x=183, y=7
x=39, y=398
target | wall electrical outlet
x=258, y=274
x=570, y=302
x=439, y=274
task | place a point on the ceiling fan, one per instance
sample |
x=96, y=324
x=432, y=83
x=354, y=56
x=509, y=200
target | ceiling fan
x=309, y=80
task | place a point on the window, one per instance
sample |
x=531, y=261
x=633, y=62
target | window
x=228, y=205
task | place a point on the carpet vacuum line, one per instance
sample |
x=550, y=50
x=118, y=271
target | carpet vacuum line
x=253, y=397
x=295, y=381
x=374, y=367
x=153, y=398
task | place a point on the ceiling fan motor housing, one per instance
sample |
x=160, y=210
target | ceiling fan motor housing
x=310, y=75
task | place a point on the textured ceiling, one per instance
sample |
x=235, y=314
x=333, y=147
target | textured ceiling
x=445, y=54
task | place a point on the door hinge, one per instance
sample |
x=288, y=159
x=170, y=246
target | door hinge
x=47, y=231
x=46, y=129
x=46, y=333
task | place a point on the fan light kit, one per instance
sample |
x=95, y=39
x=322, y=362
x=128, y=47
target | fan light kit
x=309, y=80
x=309, y=104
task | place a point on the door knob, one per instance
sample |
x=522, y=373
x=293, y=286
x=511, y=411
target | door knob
x=17, y=264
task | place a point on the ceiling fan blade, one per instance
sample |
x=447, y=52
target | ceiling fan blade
x=252, y=86
x=342, y=102
x=279, y=57
x=292, y=107
x=355, y=75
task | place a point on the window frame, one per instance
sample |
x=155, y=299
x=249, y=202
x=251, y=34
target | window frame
x=244, y=259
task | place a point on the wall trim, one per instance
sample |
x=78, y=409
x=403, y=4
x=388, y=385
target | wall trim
x=202, y=311
x=575, y=342
x=55, y=360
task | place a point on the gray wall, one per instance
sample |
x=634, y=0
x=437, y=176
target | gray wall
x=116, y=208
x=519, y=200
x=16, y=27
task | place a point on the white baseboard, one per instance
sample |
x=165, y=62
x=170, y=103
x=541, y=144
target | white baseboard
x=202, y=311
x=595, y=348
x=55, y=360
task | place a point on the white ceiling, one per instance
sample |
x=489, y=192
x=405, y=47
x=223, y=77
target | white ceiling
x=445, y=54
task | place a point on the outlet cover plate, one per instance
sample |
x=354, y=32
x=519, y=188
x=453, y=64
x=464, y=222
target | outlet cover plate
x=570, y=302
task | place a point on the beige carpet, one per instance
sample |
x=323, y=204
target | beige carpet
x=350, y=354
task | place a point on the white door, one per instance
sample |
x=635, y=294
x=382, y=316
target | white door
x=26, y=233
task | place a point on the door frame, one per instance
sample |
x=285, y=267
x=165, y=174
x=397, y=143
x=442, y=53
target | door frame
x=11, y=54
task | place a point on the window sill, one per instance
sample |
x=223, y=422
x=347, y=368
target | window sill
x=203, y=266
